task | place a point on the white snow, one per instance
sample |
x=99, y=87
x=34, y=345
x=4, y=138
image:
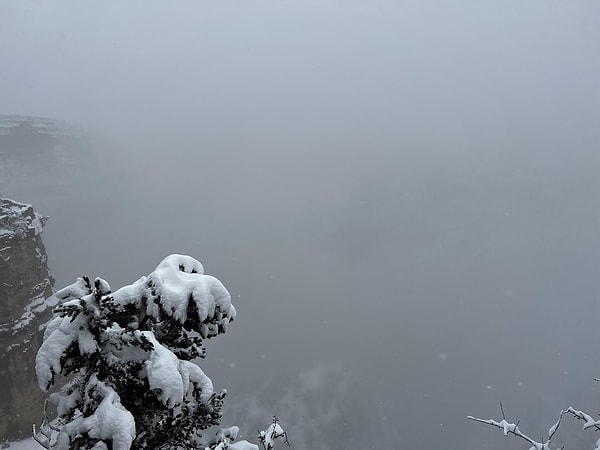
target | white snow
x=242, y=445
x=163, y=373
x=177, y=282
x=47, y=360
x=20, y=219
x=110, y=421
x=229, y=434
x=27, y=444
x=30, y=444
x=226, y=436
x=74, y=291
x=87, y=342
x=176, y=287
x=64, y=401
x=172, y=377
x=589, y=420
x=191, y=373
x=60, y=333
x=37, y=224
x=507, y=427
x=36, y=306
x=271, y=434
x=102, y=286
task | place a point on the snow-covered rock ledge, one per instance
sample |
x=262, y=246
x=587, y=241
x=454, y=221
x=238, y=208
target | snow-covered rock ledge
x=25, y=286
x=18, y=219
x=24, y=275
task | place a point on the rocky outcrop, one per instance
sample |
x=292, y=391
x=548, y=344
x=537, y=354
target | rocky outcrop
x=39, y=154
x=25, y=303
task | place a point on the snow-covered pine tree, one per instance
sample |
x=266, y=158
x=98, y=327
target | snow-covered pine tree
x=125, y=359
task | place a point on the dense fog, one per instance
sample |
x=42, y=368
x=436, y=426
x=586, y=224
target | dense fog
x=401, y=197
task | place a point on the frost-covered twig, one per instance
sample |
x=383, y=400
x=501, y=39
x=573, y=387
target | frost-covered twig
x=41, y=437
x=268, y=437
x=513, y=428
x=580, y=415
x=47, y=429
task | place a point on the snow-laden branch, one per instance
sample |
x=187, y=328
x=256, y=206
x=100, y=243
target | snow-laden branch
x=128, y=357
x=509, y=428
x=589, y=422
x=274, y=432
x=224, y=440
x=110, y=421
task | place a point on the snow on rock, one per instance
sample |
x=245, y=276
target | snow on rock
x=19, y=219
x=23, y=265
x=32, y=311
x=26, y=288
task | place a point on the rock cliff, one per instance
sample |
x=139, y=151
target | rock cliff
x=25, y=300
x=39, y=157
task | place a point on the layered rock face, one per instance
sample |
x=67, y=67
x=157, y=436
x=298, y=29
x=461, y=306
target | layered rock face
x=25, y=304
x=39, y=156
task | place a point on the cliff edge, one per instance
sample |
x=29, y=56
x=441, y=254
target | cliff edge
x=26, y=287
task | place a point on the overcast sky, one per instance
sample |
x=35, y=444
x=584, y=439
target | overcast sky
x=402, y=193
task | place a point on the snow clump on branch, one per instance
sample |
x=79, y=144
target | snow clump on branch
x=127, y=358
